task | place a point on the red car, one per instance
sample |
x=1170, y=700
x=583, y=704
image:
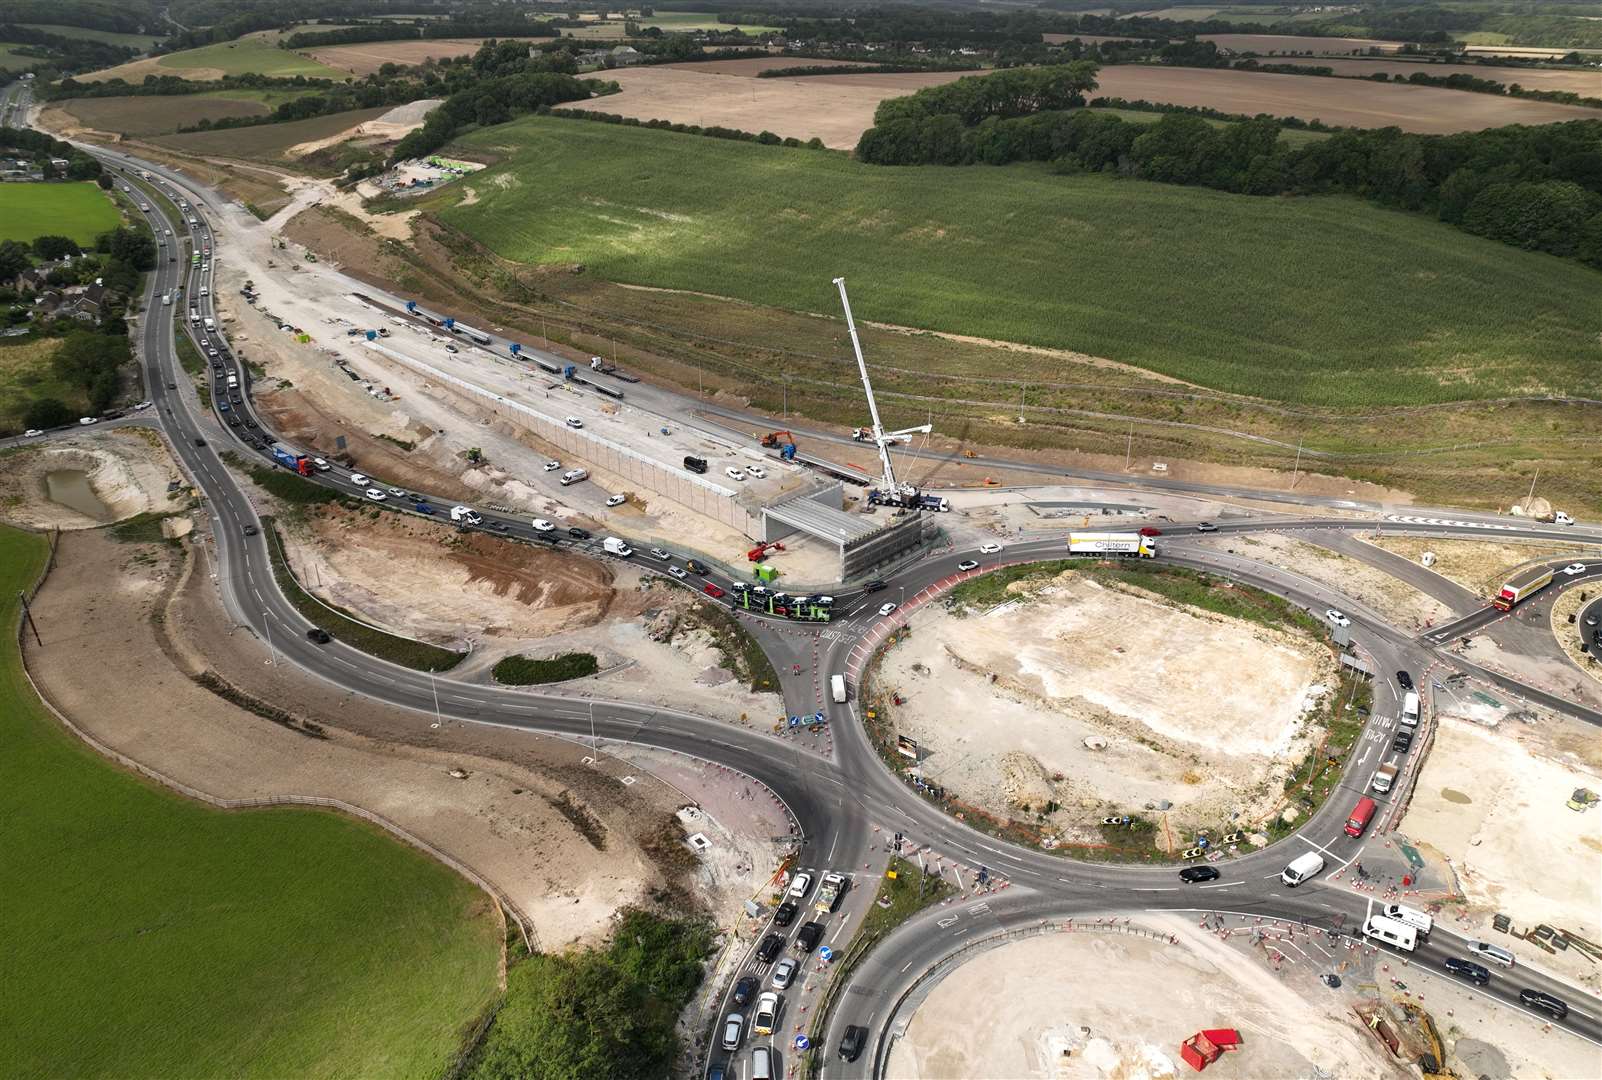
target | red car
x=1149, y=531
x=712, y=590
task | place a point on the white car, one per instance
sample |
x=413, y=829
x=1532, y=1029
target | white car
x=1574, y=568
x=784, y=971
x=397, y=492
x=574, y=422
x=800, y=886
x=886, y=609
x=767, y=1013
x=32, y=433
x=376, y=495
x=452, y=348
x=552, y=466
x=320, y=465
x=205, y=290
x=677, y=571
x=142, y=405
x=757, y=471
x=1337, y=618
x=617, y=500
x=990, y=548
x=734, y=474
x=658, y=553
x=541, y=525
x=87, y=420
x=359, y=479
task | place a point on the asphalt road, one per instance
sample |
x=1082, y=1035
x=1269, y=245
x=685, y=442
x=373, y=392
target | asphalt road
x=835, y=802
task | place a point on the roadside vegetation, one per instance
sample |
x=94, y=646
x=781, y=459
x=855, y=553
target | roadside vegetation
x=739, y=650
x=528, y=671
x=263, y=943
x=342, y=625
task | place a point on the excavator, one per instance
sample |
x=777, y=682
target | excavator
x=783, y=440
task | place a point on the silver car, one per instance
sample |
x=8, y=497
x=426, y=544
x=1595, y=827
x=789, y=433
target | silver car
x=784, y=972
x=733, y=1029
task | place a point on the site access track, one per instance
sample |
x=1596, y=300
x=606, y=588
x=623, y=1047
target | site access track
x=835, y=801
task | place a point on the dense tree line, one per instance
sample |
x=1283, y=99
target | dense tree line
x=432, y=28
x=212, y=21
x=116, y=16
x=492, y=101
x=767, y=138
x=1538, y=188
x=862, y=69
x=174, y=85
x=39, y=146
x=1014, y=92
x=62, y=53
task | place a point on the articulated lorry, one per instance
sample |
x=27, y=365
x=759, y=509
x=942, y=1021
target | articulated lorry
x=292, y=460
x=1521, y=587
x=1121, y=545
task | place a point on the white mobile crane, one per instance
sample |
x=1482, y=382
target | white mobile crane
x=894, y=492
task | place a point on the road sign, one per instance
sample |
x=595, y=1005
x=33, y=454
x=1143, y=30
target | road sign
x=825, y=954
x=802, y=1042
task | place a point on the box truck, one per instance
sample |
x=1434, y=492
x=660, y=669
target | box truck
x=615, y=546
x=1410, y=708
x=1521, y=587
x=837, y=688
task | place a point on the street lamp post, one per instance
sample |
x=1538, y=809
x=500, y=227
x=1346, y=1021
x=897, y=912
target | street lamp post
x=432, y=685
x=595, y=745
x=267, y=623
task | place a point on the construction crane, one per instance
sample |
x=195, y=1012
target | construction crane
x=893, y=493
x=905, y=435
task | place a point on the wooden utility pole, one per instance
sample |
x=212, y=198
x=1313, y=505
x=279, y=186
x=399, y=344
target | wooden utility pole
x=27, y=613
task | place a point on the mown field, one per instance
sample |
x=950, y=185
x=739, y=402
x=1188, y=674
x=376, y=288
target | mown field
x=238, y=57
x=1324, y=300
x=110, y=37
x=161, y=114
x=150, y=936
x=11, y=60
x=79, y=210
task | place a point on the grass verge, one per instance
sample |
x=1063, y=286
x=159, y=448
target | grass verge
x=257, y=944
x=418, y=655
x=528, y=671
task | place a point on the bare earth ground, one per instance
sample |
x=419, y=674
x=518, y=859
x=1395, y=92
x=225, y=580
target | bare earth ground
x=395, y=124
x=1477, y=565
x=1115, y=1006
x=1400, y=603
x=838, y=108
x=128, y=470
x=1490, y=800
x=1574, y=80
x=1002, y=704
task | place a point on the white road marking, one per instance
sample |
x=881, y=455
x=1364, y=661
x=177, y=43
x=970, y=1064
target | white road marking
x=1223, y=884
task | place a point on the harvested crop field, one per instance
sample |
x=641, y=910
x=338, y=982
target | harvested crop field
x=155, y=115
x=752, y=66
x=1270, y=44
x=838, y=108
x=269, y=142
x=368, y=57
x=1573, y=80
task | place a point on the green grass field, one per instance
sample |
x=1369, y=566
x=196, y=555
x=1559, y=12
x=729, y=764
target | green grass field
x=150, y=936
x=79, y=210
x=246, y=55
x=267, y=142
x=1319, y=300
x=10, y=60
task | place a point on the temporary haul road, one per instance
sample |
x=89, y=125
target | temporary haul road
x=838, y=800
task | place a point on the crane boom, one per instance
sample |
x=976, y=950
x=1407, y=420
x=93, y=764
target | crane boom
x=867, y=385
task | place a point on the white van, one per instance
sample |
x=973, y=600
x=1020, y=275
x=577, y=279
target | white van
x=1410, y=708
x=615, y=546
x=465, y=515
x=1391, y=932
x=1302, y=868
x=762, y=1063
x=1413, y=917
x=573, y=476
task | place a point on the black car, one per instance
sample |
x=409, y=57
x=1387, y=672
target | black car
x=1194, y=874
x=771, y=946
x=549, y=538
x=199, y=441
x=745, y=988
x=1540, y=999
x=172, y=386
x=496, y=526
x=319, y=635
x=695, y=566
x=250, y=530
x=806, y=938
x=1403, y=741
x=852, y=1042
x=251, y=423
x=233, y=418
x=874, y=586
x=1468, y=969
x=578, y=534
x=1404, y=680
x=785, y=915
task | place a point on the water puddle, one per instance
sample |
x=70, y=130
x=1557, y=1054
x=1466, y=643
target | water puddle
x=1455, y=797
x=70, y=488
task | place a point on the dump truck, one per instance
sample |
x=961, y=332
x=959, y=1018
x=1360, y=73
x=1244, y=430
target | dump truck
x=829, y=890
x=1123, y=545
x=291, y=459
x=1521, y=587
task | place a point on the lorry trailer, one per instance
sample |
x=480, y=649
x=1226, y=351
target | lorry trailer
x=1521, y=587
x=1123, y=545
x=291, y=459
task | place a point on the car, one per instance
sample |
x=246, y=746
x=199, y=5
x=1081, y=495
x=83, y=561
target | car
x=574, y=422
x=376, y=495
x=745, y=988
x=319, y=635
x=1540, y=999
x=734, y=474
x=695, y=566
x=397, y=492
x=217, y=367
x=886, y=609
x=223, y=406
x=250, y=530
x=1468, y=969
x=733, y=1030
x=852, y=1042
x=658, y=553
x=143, y=405
x=1574, y=568
x=1590, y=620
x=577, y=533
x=233, y=418
x=320, y=465
x=712, y=590
x=968, y=564
x=874, y=586
x=452, y=348
x=1147, y=530
x=678, y=572
x=767, y=1013
x=424, y=508
x=740, y=586
x=172, y=386
x=784, y=914
x=497, y=526
x=1206, y=526
x=1494, y=953
x=1337, y=618
x=235, y=398
x=1195, y=874
x=1403, y=741
x=32, y=433
x=771, y=946
x=616, y=500
x=541, y=525
x=806, y=938
x=360, y=479
x=552, y=465
x=757, y=471
x=87, y=420
x=800, y=885
x=992, y=548
x=199, y=441
x=1404, y=680
x=250, y=422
